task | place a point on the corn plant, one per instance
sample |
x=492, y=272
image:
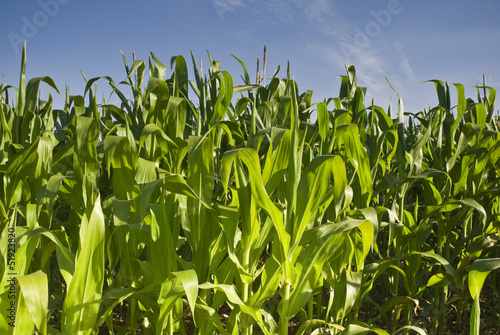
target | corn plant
x=199, y=206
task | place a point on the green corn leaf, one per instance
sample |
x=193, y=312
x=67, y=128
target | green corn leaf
x=119, y=154
x=356, y=151
x=180, y=76
x=354, y=329
x=112, y=298
x=323, y=121
x=32, y=91
x=17, y=169
x=276, y=162
x=447, y=266
x=478, y=272
x=223, y=100
x=346, y=290
x=163, y=256
x=189, y=281
x=24, y=254
x=81, y=306
x=85, y=161
x=135, y=66
x=48, y=193
x=160, y=70
x=309, y=265
x=176, y=184
x=490, y=103
x=309, y=324
x=35, y=292
x=225, y=274
x=270, y=280
x=24, y=323
x=405, y=329
x=441, y=92
x=400, y=300
x=151, y=129
x=243, y=88
x=330, y=228
x=324, y=243
x=208, y=313
x=167, y=302
x=21, y=95
x=313, y=190
x=475, y=317
x=233, y=297
x=176, y=111
x=65, y=258
x=439, y=280
x=119, y=114
x=461, y=108
x=246, y=77
x=367, y=237
x=480, y=111
x=249, y=158
x=158, y=94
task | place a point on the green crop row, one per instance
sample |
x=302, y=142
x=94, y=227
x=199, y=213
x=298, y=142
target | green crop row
x=197, y=206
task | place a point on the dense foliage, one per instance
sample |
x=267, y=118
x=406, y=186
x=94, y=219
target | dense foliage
x=230, y=211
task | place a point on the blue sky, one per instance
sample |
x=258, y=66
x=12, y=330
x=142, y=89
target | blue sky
x=406, y=41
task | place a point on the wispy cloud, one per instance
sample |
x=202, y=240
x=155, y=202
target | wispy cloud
x=404, y=63
x=281, y=9
x=224, y=6
x=341, y=42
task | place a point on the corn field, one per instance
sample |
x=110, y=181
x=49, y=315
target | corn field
x=196, y=206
